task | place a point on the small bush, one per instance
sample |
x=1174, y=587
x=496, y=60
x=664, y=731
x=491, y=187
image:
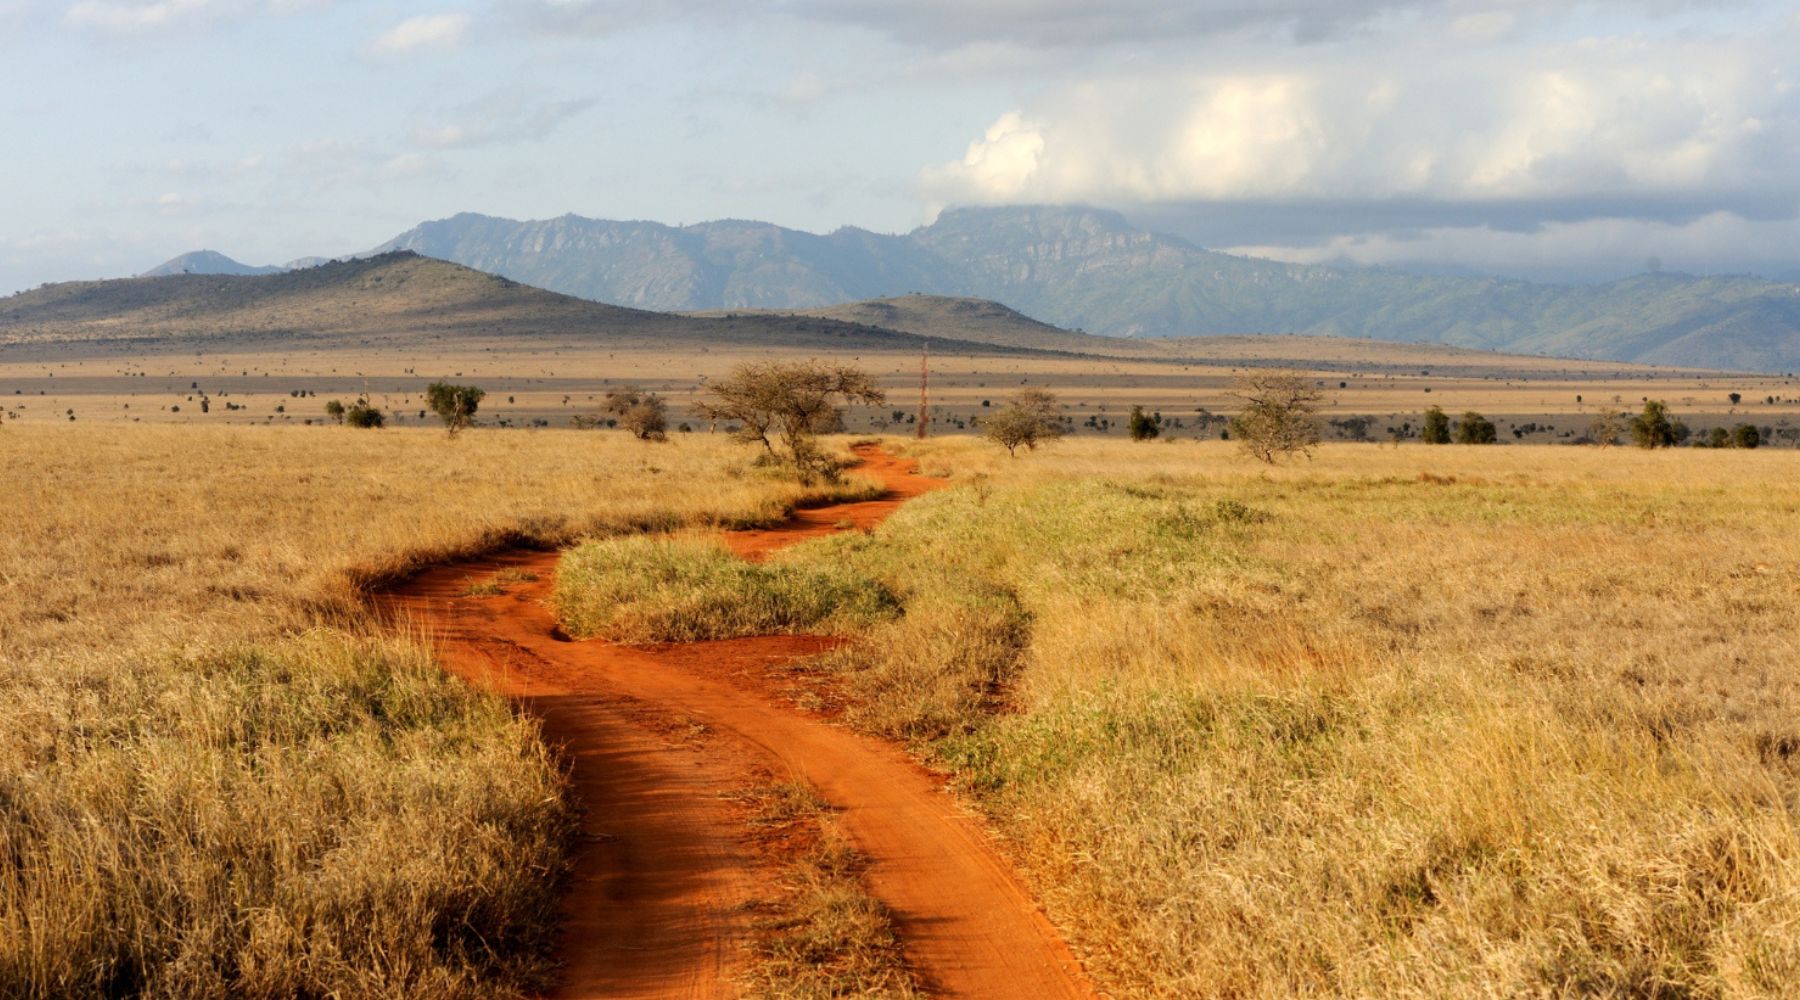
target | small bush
x=644, y=414
x=1653, y=429
x=1436, y=429
x=1142, y=426
x=455, y=405
x=1028, y=420
x=1476, y=429
x=361, y=414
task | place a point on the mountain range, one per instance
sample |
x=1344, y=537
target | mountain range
x=1090, y=270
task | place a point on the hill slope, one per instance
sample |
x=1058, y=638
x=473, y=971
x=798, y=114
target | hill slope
x=975, y=321
x=394, y=298
x=1091, y=270
x=206, y=262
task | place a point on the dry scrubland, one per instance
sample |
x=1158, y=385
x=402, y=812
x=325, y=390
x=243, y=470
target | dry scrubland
x=216, y=778
x=1414, y=721
x=1393, y=722
x=533, y=382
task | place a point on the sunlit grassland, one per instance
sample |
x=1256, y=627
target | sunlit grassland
x=1415, y=721
x=217, y=777
x=1392, y=722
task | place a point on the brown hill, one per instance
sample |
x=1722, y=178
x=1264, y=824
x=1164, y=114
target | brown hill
x=980, y=321
x=401, y=300
x=975, y=321
x=392, y=299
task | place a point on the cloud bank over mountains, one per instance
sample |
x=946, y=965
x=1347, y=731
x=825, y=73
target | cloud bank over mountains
x=1496, y=153
x=1533, y=138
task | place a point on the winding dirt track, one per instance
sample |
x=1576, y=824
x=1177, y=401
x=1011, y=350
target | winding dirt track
x=658, y=905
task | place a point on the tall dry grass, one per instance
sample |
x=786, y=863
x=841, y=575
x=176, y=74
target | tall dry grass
x=216, y=778
x=1393, y=722
x=1418, y=722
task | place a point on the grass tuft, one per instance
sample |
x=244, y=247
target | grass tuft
x=826, y=936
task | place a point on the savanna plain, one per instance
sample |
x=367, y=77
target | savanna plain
x=1390, y=721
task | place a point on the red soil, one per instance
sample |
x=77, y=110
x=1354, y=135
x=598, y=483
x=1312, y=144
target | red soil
x=900, y=476
x=659, y=901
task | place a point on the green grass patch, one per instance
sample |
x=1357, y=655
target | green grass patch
x=685, y=588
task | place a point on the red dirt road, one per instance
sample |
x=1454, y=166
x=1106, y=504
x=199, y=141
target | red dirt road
x=657, y=903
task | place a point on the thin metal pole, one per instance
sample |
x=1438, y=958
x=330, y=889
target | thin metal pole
x=924, y=389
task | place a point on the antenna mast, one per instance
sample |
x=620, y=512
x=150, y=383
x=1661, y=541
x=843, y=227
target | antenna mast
x=924, y=389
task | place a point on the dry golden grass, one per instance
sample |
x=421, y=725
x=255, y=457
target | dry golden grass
x=1394, y=722
x=216, y=779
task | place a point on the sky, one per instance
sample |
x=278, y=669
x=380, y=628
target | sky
x=1551, y=140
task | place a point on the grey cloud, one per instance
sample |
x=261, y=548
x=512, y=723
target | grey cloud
x=143, y=17
x=1318, y=223
x=502, y=117
x=605, y=17
x=1589, y=250
x=1052, y=24
x=1080, y=23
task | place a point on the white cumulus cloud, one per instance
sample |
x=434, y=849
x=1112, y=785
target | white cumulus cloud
x=424, y=31
x=1631, y=118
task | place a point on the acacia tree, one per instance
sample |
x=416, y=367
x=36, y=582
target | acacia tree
x=1436, y=428
x=1278, y=414
x=362, y=414
x=1028, y=419
x=1476, y=429
x=455, y=405
x=791, y=402
x=1607, y=426
x=1652, y=428
x=1143, y=426
x=644, y=414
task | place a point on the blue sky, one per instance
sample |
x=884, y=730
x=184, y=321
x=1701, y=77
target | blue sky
x=1523, y=137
